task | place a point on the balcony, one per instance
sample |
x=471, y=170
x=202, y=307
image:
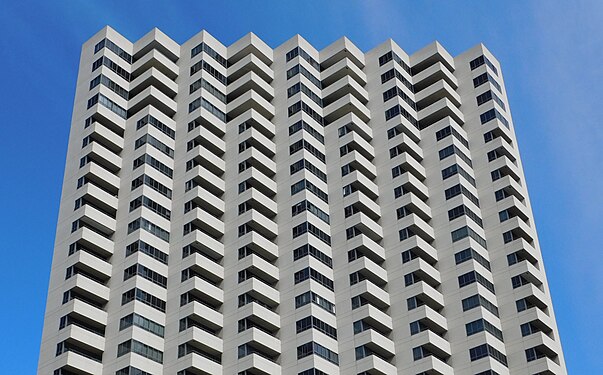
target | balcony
x=433, y=366
x=154, y=77
x=78, y=363
x=204, y=289
x=373, y=316
x=250, y=82
x=198, y=363
x=258, y=201
x=260, y=223
x=103, y=157
x=366, y=225
x=364, y=204
x=354, y=123
x=345, y=86
x=208, y=269
x=427, y=294
x=261, y=340
x=208, y=244
x=207, y=179
x=83, y=309
x=439, y=110
x=203, y=313
x=418, y=226
x=342, y=68
x=434, y=321
x=412, y=184
x=260, y=267
x=259, y=161
x=260, y=244
x=411, y=165
x=92, y=265
x=406, y=144
x=208, y=159
x=94, y=242
x=250, y=100
x=371, y=270
x=157, y=60
x=438, y=90
x=154, y=97
x=424, y=270
x=357, y=143
x=362, y=183
x=375, y=342
x=250, y=63
x=346, y=104
x=420, y=247
x=433, y=74
x=203, y=136
x=83, y=337
x=105, y=136
x=367, y=246
x=258, y=140
x=258, y=122
x=375, y=366
x=433, y=342
x=260, y=291
x=415, y=205
x=257, y=364
x=268, y=319
x=203, y=198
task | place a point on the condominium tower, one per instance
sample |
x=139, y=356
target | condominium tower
x=247, y=210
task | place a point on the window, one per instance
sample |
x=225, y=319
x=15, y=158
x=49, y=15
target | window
x=460, y=189
x=394, y=73
x=142, y=322
x=145, y=273
x=472, y=277
x=308, y=249
x=298, y=69
x=153, y=184
x=114, y=48
x=311, y=297
x=533, y=354
x=149, y=227
x=304, y=164
x=112, y=66
x=449, y=130
x=202, y=102
x=302, y=125
x=144, y=297
x=464, y=210
x=148, y=159
x=519, y=281
x=105, y=81
x=128, y=371
x=477, y=300
x=465, y=232
x=303, y=144
x=453, y=150
x=147, y=249
x=310, y=273
x=151, y=205
x=148, y=119
x=202, y=64
x=399, y=110
x=110, y=104
x=205, y=85
x=487, y=96
x=467, y=254
x=139, y=348
x=491, y=115
x=483, y=78
x=301, y=106
x=202, y=47
x=312, y=322
x=483, y=325
x=314, y=348
x=304, y=89
x=305, y=184
x=486, y=350
x=306, y=227
x=298, y=51
x=147, y=138
x=389, y=56
x=396, y=91
x=481, y=60
x=457, y=169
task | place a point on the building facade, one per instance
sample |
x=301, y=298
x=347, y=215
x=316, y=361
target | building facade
x=247, y=210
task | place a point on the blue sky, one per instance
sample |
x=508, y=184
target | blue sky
x=551, y=53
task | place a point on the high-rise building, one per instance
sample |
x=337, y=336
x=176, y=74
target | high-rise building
x=249, y=210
